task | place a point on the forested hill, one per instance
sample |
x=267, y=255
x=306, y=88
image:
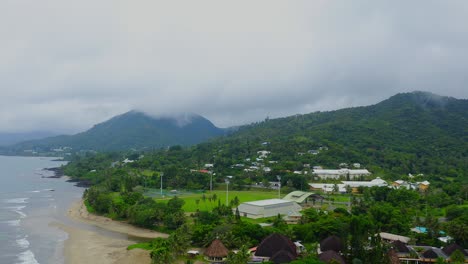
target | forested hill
x=415, y=132
x=132, y=130
x=13, y=138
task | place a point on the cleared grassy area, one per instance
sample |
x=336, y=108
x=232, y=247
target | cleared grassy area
x=208, y=203
x=144, y=245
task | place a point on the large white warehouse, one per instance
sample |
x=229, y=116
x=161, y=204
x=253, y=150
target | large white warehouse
x=268, y=208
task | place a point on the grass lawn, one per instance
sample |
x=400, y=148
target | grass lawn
x=207, y=205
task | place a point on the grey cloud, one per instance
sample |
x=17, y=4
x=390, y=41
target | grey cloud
x=68, y=65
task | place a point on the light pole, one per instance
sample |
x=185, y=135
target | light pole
x=162, y=174
x=279, y=186
x=211, y=181
x=227, y=191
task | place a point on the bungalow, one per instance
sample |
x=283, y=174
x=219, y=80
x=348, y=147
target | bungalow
x=423, y=185
x=216, y=252
x=276, y=248
x=263, y=153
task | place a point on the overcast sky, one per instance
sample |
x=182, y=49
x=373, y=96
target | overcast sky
x=66, y=65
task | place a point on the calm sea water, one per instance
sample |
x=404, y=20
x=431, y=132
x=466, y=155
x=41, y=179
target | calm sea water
x=29, y=206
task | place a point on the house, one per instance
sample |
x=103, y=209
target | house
x=263, y=154
x=399, y=183
x=276, y=248
x=268, y=208
x=292, y=218
x=216, y=252
x=403, y=184
x=423, y=185
x=209, y=165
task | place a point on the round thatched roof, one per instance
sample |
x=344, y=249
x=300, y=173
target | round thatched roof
x=275, y=243
x=330, y=255
x=430, y=254
x=393, y=256
x=331, y=243
x=282, y=256
x=216, y=250
x=448, y=250
x=400, y=246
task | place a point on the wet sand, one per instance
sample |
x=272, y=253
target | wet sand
x=85, y=246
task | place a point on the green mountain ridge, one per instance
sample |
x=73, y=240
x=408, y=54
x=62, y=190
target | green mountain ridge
x=416, y=132
x=132, y=130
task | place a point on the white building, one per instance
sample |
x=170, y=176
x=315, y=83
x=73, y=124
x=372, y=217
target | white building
x=263, y=153
x=268, y=208
x=336, y=174
x=328, y=187
x=375, y=182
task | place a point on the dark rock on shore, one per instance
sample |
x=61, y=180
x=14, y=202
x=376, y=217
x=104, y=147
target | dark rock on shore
x=58, y=172
x=81, y=183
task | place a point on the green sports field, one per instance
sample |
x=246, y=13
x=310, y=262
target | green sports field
x=208, y=204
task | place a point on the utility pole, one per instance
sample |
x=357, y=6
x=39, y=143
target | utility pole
x=227, y=191
x=279, y=186
x=211, y=181
x=162, y=174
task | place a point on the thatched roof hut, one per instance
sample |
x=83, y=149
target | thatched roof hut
x=330, y=255
x=448, y=250
x=393, y=257
x=216, y=250
x=276, y=244
x=282, y=256
x=332, y=243
x=430, y=254
x=400, y=247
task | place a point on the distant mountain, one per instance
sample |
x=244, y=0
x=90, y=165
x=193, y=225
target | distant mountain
x=132, y=130
x=13, y=138
x=416, y=132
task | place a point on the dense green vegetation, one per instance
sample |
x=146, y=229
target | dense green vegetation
x=416, y=133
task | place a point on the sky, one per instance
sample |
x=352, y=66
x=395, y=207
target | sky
x=66, y=65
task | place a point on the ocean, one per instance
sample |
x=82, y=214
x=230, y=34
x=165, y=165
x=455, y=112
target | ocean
x=30, y=204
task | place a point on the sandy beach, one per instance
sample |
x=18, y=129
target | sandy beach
x=85, y=246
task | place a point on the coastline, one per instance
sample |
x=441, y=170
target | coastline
x=86, y=246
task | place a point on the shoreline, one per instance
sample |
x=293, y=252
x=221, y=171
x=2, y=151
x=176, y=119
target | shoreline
x=87, y=246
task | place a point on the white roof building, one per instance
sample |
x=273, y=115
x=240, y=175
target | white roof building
x=375, y=182
x=268, y=208
x=335, y=174
x=328, y=187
